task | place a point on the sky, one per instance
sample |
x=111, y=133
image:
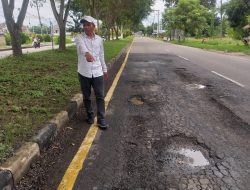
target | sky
x=153, y=17
x=31, y=15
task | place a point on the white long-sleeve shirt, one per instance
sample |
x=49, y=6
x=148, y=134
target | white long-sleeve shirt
x=95, y=47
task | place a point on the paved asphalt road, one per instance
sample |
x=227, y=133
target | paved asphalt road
x=230, y=66
x=29, y=50
x=170, y=128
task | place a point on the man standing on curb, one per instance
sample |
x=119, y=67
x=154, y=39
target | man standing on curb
x=92, y=70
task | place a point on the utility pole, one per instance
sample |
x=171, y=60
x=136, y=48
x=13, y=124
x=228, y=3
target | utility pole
x=158, y=26
x=221, y=19
x=51, y=33
x=158, y=23
x=153, y=24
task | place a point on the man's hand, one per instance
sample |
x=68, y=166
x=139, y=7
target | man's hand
x=89, y=57
x=105, y=76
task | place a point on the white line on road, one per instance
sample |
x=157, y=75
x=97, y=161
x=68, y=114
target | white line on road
x=183, y=58
x=228, y=79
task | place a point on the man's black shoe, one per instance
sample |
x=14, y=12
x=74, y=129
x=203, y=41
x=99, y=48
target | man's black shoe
x=90, y=120
x=102, y=125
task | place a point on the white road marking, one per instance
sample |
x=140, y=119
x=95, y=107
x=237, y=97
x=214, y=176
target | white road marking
x=228, y=79
x=183, y=58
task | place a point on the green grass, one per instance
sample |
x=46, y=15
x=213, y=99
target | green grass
x=34, y=87
x=220, y=44
x=111, y=50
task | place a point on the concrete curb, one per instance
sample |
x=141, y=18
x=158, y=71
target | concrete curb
x=17, y=166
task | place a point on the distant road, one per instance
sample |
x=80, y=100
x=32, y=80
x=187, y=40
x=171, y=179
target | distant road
x=235, y=68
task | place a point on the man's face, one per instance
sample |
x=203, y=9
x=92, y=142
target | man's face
x=88, y=28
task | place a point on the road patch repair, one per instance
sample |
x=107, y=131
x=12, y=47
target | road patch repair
x=136, y=100
x=18, y=165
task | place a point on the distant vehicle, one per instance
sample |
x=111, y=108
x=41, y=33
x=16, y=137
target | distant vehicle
x=36, y=43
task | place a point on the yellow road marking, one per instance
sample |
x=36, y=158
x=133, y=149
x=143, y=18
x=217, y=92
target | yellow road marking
x=76, y=164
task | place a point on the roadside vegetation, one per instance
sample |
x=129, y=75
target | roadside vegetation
x=208, y=24
x=36, y=86
x=219, y=44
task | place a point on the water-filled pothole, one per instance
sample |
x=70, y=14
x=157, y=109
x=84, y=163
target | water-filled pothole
x=195, y=86
x=181, y=154
x=193, y=158
x=136, y=100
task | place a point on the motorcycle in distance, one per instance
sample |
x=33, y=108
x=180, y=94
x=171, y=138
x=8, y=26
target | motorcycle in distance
x=36, y=43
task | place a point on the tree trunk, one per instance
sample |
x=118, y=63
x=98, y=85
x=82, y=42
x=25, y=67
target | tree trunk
x=16, y=43
x=108, y=34
x=121, y=31
x=116, y=32
x=112, y=33
x=61, y=19
x=62, y=42
x=14, y=28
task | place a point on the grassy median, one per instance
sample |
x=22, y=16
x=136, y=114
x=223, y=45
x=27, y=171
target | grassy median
x=36, y=86
x=219, y=44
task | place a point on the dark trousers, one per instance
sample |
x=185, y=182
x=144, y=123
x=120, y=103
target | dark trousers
x=98, y=86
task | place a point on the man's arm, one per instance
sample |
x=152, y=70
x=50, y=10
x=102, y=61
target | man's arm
x=83, y=49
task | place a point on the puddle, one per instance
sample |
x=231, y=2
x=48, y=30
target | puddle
x=195, y=86
x=193, y=158
x=136, y=100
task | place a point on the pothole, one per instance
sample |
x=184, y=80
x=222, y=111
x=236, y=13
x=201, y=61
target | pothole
x=136, y=100
x=184, y=155
x=193, y=158
x=195, y=86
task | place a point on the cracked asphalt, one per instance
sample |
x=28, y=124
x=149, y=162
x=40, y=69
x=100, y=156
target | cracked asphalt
x=157, y=113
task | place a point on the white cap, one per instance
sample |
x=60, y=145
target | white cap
x=88, y=19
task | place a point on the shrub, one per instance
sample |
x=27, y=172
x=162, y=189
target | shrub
x=127, y=33
x=46, y=38
x=68, y=40
x=56, y=40
x=40, y=37
x=7, y=39
x=24, y=38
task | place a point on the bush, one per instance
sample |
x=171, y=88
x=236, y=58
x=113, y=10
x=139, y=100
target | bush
x=24, y=38
x=40, y=37
x=127, y=33
x=68, y=40
x=7, y=39
x=56, y=40
x=46, y=38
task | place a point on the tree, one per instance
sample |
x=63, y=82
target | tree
x=116, y=14
x=188, y=16
x=61, y=18
x=170, y=3
x=210, y=4
x=206, y=3
x=149, y=30
x=37, y=4
x=237, y=12
x=76, y=12
x=14, y=27
x=38, y=30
